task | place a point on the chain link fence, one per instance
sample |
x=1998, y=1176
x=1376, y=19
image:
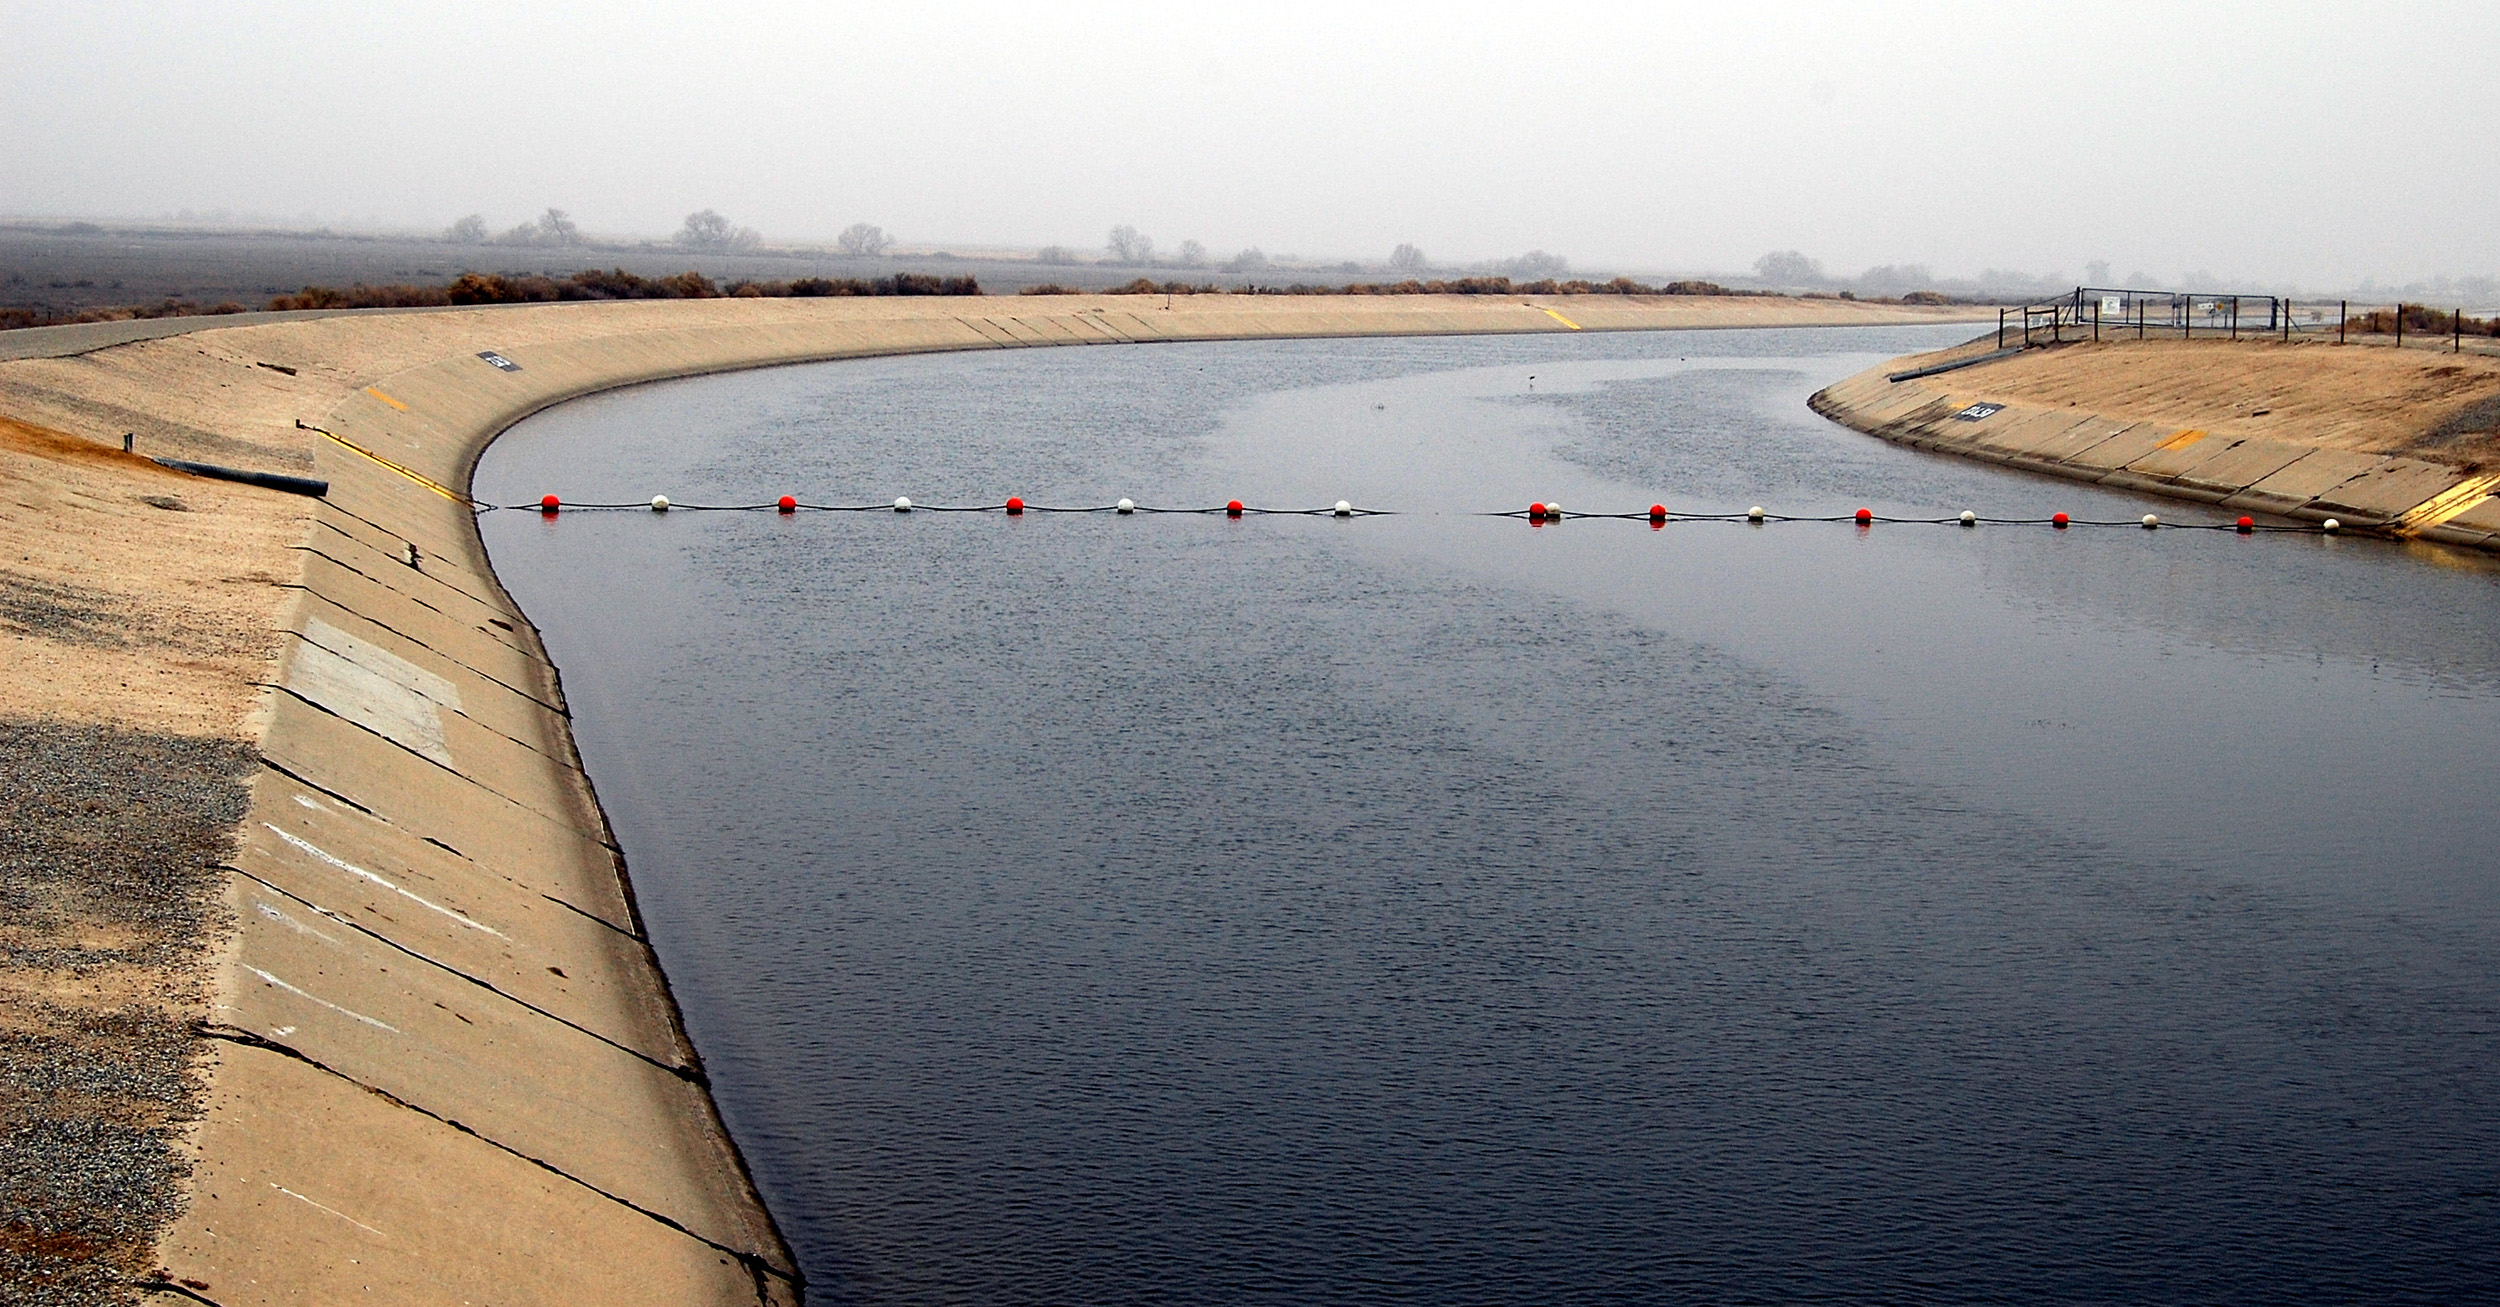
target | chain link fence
x=2116, y=313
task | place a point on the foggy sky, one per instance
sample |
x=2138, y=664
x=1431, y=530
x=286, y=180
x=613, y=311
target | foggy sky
x=2261, y=144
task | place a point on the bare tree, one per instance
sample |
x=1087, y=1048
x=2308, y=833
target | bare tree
x=1536, y=264
x=1406, y=259
x=706, y=229
x=863, y=239
x=1788, y=268
x=1249, y=260
x=1054, y=254
x=470, y=230
x=1193, y=255
x=1130, y=246
x=554, y=227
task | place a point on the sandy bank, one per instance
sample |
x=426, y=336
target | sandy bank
x=429, y=1054
x=2406, y=442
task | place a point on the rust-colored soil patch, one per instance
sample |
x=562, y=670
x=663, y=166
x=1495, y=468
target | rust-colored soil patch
x=133, y=594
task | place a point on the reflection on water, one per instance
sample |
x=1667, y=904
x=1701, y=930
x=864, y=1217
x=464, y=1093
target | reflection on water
x=1432, y=907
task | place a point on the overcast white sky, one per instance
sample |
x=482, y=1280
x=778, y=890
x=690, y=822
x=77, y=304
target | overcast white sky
x=2262, y=144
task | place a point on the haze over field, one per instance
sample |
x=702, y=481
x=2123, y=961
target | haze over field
x=2242, y=144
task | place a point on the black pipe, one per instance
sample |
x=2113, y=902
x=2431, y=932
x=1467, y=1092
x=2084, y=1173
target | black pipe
x=265, y=480
x=1916, y=373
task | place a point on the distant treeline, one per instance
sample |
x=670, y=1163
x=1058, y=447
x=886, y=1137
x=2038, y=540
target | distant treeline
x=2428, y=321
x=614, y=284
x=519, y=288
x=1460, y=286
x=13, y=318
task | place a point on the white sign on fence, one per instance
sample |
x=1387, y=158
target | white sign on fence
x=2113, y=306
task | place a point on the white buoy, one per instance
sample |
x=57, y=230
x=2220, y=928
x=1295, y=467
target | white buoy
x=1343, y=509
x=1969, y=518
x=902, y=503
x=1553, y=511
x=2332, y=526
x=1754, y=514
x=2151, y=521
x=1127, y=506
x=659, y=503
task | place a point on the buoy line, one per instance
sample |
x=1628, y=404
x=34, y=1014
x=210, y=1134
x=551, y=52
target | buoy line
x=1011, y=507
x=1538, y=513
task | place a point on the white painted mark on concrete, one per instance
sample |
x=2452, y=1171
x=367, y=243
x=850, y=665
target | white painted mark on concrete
x=307, y=802
x=373, y=687
x=290, y=923
x=353, y=870
x=345, y=1012
x=331, y=1210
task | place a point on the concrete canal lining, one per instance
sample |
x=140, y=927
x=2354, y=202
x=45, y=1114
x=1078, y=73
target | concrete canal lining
x=2311, y=431
x=441, y=1062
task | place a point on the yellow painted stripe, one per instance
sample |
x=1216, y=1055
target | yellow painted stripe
x=2448, y=503
x=1561, y=319
x=2181, y=440
x=419, y=477
x=377, y=394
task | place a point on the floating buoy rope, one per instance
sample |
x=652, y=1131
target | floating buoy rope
x=1539, y=512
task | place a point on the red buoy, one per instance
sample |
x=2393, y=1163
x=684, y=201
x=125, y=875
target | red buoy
x=2058, y=520
x=549, y=504
x=789, y=504
x=2247, y=525
x=1657, y=512
x=1536, y=512
x=1015, y=504
x=1233, y=508
x=1865, y=515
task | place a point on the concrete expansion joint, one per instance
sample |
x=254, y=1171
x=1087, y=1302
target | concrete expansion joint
x=454, y=659
x=240, y=1037
x=402, y=569
x=316, y=786
x=317, y=552
x=628, y=932
x=576, y=909
x=688, y=1072
x=565, y=761
x=561, y=821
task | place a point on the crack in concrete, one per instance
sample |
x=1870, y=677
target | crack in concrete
x=756, y=1264
x=455, y=772
x=629, y=932
x=462, y=713
x=692, y=1074
x=454, y=659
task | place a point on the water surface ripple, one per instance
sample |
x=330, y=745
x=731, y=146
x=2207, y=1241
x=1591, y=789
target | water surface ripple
x=1434, y=908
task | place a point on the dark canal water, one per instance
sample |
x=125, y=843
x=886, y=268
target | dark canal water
x=1433, y=908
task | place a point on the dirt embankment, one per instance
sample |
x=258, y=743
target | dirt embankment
x=2400, y=441
x=138, y=606
x=2437, y=406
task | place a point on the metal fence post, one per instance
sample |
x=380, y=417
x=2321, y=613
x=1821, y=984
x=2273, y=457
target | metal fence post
x=2343, y=310
x=2000, y=328
x=2400, y=324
